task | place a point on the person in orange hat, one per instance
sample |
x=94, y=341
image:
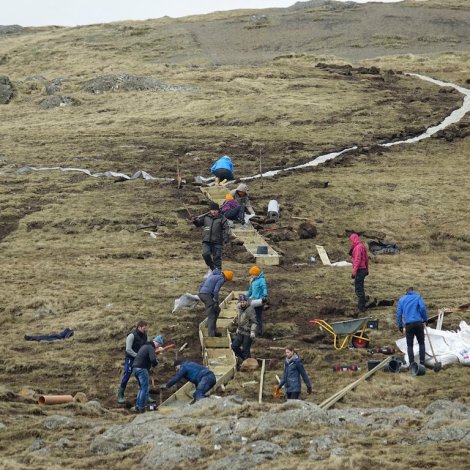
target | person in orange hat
x=209, y=294
x=232, y=210
x=258, y=290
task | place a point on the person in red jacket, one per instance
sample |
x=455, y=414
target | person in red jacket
x=360, y=269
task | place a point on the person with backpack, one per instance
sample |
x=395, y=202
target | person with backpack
x=134, y=341
x=216, y=232
x=293, y=371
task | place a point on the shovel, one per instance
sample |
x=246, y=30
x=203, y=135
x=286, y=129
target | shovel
x=437, y=365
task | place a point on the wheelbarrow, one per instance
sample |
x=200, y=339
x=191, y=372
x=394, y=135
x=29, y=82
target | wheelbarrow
x=345, y=332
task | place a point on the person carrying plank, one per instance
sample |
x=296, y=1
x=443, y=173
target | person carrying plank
x=216, y=232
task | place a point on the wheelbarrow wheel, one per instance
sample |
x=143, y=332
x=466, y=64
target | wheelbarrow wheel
x=362, y=342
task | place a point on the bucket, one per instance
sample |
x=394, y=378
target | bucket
x=262, y=250
x=417, y=369
x=394, y=365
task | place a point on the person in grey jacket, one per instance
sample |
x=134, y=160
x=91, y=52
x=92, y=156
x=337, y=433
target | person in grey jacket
x=246, y=327
x=240, y=194
x=216, y=232
x=293, y=371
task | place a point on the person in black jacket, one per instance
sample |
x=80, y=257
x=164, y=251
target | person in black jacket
x=135, y=339
x=216, y=232
x=144, y=360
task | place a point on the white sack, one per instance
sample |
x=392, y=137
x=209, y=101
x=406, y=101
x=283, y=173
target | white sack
x=186, y=301
x=449, y=346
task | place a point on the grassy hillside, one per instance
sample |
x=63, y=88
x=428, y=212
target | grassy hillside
x=70, y=254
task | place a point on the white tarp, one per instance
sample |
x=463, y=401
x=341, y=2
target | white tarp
x=449, y=346
x=186, y=301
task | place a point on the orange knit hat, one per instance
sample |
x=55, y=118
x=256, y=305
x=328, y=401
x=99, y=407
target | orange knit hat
x=254, y=271
x=228, y=275
x=228, y=196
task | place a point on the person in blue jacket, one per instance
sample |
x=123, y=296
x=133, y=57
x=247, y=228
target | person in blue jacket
x=293, y=371
x=209, y=294
x=222, y=169
x=412, y=314
x=200, y=376
x=258, y=290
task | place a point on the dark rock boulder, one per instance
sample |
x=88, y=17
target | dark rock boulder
x=7, y=90
x=307, y=230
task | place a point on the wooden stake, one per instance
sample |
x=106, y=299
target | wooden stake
x=260, y=168
x=261, y=382
x=178, y=175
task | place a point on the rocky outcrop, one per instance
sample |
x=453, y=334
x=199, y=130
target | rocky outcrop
x=130, y=83
x=7, y=90
x=55, y=101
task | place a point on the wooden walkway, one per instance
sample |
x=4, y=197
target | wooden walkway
x=217, y=355
x=246, y=233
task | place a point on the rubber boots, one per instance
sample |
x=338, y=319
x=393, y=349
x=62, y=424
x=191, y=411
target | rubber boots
x=120, y=395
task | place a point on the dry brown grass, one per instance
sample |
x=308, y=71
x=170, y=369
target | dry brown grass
x=70, y=255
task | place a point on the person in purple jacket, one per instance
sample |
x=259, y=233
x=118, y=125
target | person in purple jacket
x=232, y=209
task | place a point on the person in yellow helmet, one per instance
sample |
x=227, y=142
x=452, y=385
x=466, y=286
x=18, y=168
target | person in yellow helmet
x=209, y=294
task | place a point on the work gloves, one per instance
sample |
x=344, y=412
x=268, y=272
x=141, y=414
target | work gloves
x=401, y=329
x=264, y=300
x=353, y=276
x=252, y=335
x=309, y=390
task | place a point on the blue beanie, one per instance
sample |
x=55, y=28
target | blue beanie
x=159, y=339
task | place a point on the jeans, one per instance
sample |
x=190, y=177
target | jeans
x=223, y=174
x=128, y=361
x=212, y=312
x=142, y=376
x=237, y=214
x=359, y=288
x=293, y=395
x=205, y=383
x=212, y=254
x=241, y=346
x=259, y=320
x=412, y=330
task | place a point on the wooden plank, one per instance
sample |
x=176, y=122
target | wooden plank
x=323, y=255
